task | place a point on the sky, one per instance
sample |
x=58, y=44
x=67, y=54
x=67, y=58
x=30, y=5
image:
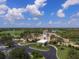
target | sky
x=39, y=13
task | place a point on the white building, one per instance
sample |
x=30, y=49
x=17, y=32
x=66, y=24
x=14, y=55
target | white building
x=42, y=41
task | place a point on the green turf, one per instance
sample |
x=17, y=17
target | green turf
x=39, y=47
x=67, y=53
x=62, y=54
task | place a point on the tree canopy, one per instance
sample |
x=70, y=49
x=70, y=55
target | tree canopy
x=19, y=53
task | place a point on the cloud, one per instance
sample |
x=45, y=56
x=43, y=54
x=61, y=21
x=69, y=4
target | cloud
x=34, y=8
x=66, y=5
x=17, y=13
x=2, y=1
x=3, y=9
x=39, y=23
x=60, y=13
x=40, y=3
x=74, y=22
x=35, y=18
x=75, y=15
x=14, y=14
x=10, y=13
x=50, y=22
x=28, y=18
x=69, y=3
x=74, y=19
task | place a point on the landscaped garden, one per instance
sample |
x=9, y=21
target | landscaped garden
x=39, y=47
x=37, y=55
x=20, y=53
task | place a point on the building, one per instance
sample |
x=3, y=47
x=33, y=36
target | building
x=44, y=39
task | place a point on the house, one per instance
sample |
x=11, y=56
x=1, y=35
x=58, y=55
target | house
x=42, y=42
x=44, y=39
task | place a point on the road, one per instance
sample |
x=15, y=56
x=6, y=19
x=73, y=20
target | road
x=51, y=54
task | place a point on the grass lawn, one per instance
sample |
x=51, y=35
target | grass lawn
x=62, y=54
x=13, y=33
x=67, y=53
x=36, y=55
x=37, y=58
x=39, y=47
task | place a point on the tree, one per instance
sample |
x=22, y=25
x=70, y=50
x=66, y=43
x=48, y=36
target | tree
x=6, y=39
x=2, y=56
x=73, y=54
x=37, y=55
x=19, y=53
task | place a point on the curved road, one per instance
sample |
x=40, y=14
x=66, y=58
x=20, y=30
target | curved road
x=51, y=54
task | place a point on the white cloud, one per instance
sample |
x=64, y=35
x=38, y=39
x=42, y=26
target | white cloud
x=14, y=14
x=71, y=21
x=75, y=15
x=60, y=13
x=17, y=13
x=66, y=5
x=69, y=3
x=74, y=19
x=10, y=14
x=28, y=18
x=35, y=18
x=2, y=1
x=50, y=22
x=3, y=9
x=40, y=3
x=34, y=8
x=39, y=23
